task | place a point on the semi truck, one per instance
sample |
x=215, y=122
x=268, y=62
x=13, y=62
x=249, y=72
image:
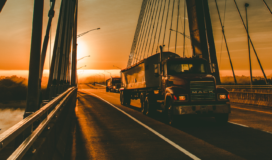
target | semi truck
x=113, y=84
x=177, y=87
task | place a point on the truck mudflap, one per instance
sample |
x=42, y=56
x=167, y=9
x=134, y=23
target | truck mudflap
x=201, y=109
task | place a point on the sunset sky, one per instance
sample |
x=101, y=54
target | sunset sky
x=118, y=19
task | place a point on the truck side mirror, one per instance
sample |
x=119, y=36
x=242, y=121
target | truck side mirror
x=213, y=68
x=157, y=69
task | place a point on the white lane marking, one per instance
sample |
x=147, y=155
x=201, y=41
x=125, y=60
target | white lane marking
x=153, y=131
x=239, y=124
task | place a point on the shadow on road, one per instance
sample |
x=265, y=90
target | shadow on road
x=245, y=142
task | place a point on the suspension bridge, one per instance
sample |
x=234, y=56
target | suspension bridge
x=83, y=121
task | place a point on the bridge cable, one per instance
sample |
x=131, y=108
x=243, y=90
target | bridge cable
x=156, y=2
x=184, y=26
x=223, y=32
x=166, y=22
x=251, y=42
x=144, y=21
x=139, y=24
x=267, y=6
x=142, y=31
x=157, y=28
x=147, y=30
x=161, y=26
x=177, y=28
x=171, y=24
x=153, y=29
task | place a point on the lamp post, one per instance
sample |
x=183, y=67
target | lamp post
x=104, y=76
x=87, y=32
x=83, y=57
x=108, y=72
x=116, y=67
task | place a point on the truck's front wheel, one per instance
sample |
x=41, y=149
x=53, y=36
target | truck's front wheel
x=170, y=117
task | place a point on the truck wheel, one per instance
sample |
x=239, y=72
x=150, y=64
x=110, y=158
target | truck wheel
x=107, y=90
x=148, y=107
x=171, y=118
x=142, y=100
x=222, y=118
x=122, y=98
x=128, y=100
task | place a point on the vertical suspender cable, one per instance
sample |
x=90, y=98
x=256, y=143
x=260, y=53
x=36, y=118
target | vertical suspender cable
x=184, y=25
x=223, y=31
x=142, y=31
x=150, y=27
x=251, y=43
x=267, y=6
x=153, y=28
x=161, y=25
x=248, y=44
x=142, y=15
x=171, y=24
x=157, y=28
x=166, y=23
x=177, y=28
x=135, y=39
x=147, y=30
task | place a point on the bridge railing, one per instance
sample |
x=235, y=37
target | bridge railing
x=260, y=95
x=29, y=125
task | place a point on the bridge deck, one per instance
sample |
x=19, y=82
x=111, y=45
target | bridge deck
x=104, y=131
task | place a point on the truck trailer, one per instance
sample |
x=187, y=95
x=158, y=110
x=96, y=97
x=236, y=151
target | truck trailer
x=177, y=87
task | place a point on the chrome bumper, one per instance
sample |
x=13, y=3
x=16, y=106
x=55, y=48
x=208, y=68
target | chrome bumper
x=201, y=109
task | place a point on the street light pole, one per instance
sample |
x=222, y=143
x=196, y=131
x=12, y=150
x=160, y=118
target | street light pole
x=104, y=77
x=83, y=57
x=250, y=67
x=117, y=67
x=87, y=32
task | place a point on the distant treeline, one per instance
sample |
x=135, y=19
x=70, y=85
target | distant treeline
x=244, y=80
x=12, y=89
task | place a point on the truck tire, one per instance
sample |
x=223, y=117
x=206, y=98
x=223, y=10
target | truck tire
x=142, y=100
x=125, y=98
x=107, y=90
x=171, y=119
x=148, y=106
x=122, y=98
x=222, y=118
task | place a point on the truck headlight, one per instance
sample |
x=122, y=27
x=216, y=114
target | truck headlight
x=223, y=96
x=114, y=87
x=182, y=98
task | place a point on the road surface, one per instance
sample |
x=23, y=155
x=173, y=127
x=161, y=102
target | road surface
x=107, y=130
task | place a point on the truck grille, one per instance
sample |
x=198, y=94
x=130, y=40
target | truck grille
x=202, y=90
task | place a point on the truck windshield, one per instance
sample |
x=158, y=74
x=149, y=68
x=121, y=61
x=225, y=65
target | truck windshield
x=116, y=80
x=186, y=68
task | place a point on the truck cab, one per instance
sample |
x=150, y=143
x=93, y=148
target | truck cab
x=113, y=84
x=188, y=87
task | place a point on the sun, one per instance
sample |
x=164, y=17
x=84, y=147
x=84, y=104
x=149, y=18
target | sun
x=82, y=49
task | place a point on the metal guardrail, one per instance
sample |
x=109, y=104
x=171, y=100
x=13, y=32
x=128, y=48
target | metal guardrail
x=49, y=110
x=246, y=86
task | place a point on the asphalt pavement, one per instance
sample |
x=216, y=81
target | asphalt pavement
x=107, y=130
